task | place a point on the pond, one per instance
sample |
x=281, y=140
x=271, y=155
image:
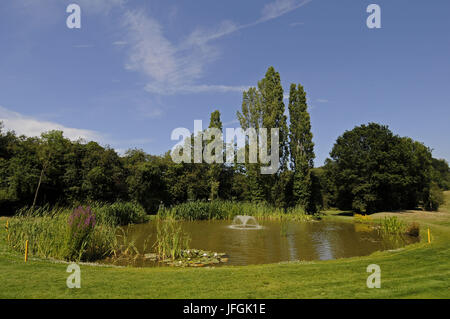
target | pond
x=275, y=241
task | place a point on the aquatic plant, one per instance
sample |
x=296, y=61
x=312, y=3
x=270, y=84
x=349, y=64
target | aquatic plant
x=114, y=214
x=171, y=241
x=392, y=225
x=81, y=226
x=125, y=246
x=227, y=210
x=61, y=234
x=119, y=213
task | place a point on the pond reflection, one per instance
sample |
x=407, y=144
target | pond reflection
x=276, y=241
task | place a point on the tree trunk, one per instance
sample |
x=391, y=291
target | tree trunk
x=37, y=189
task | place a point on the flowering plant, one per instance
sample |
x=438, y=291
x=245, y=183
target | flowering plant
x=81, y=226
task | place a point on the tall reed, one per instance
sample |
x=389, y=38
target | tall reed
x=392, y=226
x=227, y=210
x=86, y=233
x=171, y=241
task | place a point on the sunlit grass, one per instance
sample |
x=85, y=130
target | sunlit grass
x=421, y=270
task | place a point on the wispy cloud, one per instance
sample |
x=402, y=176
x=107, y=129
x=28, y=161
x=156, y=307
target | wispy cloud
x=29, y=126
x=151, y=53
x=100, y=6
x=198, y=88
x=322, y=100
x=171, y=68
x=280, y=7
x=176, y=68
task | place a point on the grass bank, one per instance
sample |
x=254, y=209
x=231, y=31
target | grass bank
x=421, y=270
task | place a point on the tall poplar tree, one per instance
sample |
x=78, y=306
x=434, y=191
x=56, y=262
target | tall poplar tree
x=301, y=148
x=251, y=117
x=272, y=110
x=215, y=169
x=264, y=108
x=273, y=116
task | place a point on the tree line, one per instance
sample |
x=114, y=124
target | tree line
x=369, y=169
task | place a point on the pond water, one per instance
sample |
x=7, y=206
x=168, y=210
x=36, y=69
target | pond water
x=276, y=241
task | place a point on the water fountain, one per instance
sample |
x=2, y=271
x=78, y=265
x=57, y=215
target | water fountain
x=245, y=222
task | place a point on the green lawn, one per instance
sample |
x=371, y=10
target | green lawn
x=421, y=270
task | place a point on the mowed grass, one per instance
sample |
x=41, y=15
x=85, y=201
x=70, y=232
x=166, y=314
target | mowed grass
x=421, y=270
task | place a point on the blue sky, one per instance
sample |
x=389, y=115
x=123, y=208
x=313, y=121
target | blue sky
x=138, y=69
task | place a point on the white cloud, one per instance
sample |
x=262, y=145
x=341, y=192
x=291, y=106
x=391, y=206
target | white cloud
x=99, y=6
x=202, y=35
x=198, y=88
x=29, y=126
x=322, y=100
x=280, y=7
x=176, y=68
x=270, y=11
x=53, y=7
x=171, y=68
x=151, y=52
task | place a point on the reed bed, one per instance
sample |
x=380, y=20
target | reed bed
x=86, y=233
x=119, y=213
x=171, y=241
x=392, y=226
x=227, y=210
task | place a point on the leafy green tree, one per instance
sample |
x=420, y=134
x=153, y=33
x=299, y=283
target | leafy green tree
x=435, y=198
x=215, y=169
x=251, y=117
x=301, y=148
x=441, y=173
x=372, y=169
x=51, y=154
x=103, y=174
x=7, y=142
x=272, y=109
x=273, y=116
x=264, y=108
x=145, y=180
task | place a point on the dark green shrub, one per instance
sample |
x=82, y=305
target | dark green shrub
x=435, y=198
x=120, y=213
